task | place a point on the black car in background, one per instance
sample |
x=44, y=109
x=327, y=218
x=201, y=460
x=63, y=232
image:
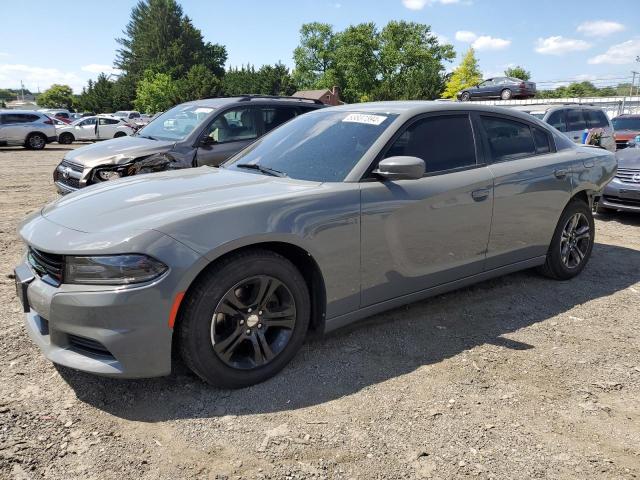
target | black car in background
x=504, y=88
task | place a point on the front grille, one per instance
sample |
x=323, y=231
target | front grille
x=88, y=345
x=626, y=175
x=48, y=266
x=70, y=181
x=73, y=166
x=632, y=202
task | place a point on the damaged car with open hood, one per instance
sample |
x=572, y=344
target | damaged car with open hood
x=192, y=134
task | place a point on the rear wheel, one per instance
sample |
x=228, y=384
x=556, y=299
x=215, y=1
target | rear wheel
x=465, y=97
x=66, y=139
x=572, y=242
x=36, y=141
x=506, y=94
x=245, y=319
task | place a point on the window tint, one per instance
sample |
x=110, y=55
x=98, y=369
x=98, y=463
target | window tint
x=557, y=120
x=596, y=119
x=541, y=140
x=134, y=115
x=10, y=118
x=488, y=83
x=275, y=116
x=444, y=143
x=575, y=120
x=508, y=139
x=88, y=121
x=108, y=121
x=234, y=125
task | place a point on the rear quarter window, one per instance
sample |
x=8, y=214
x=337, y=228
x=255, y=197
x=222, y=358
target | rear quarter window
x=508, y=139
x=596, y=119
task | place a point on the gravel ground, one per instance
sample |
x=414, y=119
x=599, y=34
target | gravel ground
x=518, y=377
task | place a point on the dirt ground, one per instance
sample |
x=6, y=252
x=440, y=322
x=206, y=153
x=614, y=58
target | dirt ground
x=520, y=377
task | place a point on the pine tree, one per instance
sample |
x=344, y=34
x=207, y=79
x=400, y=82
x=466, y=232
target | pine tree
x=466, y=75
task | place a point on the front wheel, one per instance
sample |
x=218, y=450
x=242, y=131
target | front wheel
x=506, y=94
x=65, y=139
x=572, y=242
x=119, y=134
x=245, y=319
x=36, y=141
x=465, y=97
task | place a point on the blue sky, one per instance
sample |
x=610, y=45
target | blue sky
x=72, y=41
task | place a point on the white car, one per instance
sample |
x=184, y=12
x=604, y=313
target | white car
x=32, y=130
x=99, y=127
x=133, y=116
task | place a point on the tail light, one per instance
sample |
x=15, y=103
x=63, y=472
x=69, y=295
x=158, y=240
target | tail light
x=49, y=122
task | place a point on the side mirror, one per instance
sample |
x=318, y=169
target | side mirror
x=400, y=168
x=206, y=141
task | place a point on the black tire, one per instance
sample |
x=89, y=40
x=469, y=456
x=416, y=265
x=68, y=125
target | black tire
x=35, y=141
x=506, y=94
x=561, y=256
x=66, y=138
x=119, y=134
x=199, y=320
x=465, y=97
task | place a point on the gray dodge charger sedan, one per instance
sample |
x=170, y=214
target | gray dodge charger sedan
x=334, y=216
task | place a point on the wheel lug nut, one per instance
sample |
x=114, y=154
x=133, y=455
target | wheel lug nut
x=249, y=310
x=248, y=331
x=241, y=322
x=260, y=312
x=259, y=325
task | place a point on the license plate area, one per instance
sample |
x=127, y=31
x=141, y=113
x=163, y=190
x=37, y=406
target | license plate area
x=23, y=277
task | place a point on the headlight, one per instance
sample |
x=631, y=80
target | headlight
x=112, y=269
x=109, y=175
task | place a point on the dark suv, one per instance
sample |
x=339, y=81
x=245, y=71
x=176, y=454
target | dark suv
x=192, y=134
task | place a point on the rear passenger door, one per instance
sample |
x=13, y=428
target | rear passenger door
x=532, y=185
x=107, y=128
x=416, y=234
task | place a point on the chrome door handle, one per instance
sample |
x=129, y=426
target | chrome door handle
x=561, y=173
x=481, y=194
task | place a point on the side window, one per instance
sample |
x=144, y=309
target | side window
x=233, y=125
x=88, y=121
x=487, y=83
x=508, y=139
x=575, y=120
x=596, y=119
x=134, y=115
x=275, y=116
x=303, y=110
x=541, y=139
x=13, y=118
x=444, y=142
x=557, y=120
x=108, y=121
x=62, y=115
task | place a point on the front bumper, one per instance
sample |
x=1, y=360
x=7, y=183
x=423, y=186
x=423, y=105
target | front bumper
x=120, y=333
x=620, y=195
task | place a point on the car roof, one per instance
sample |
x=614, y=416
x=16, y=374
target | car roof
x=218, y=102
x=8, y=110
x=416, y=107
x=628, y=115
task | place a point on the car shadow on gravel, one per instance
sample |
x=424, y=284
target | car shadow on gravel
x=381, y=348
x=626, y=218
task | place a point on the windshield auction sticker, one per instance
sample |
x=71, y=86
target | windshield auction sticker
x=362, y=118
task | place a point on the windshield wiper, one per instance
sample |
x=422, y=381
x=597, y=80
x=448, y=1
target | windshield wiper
x=260, y=168
x=148, y=136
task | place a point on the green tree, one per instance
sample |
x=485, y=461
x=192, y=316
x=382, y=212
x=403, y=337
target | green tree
x=466, y=75
x=518, y=72
x=57, y=96
x=314, y=56
x=411, y=62
x=97, y=96
x=156, y=92
x=198, y=83
x=356, y=68
x=160, y=38
x=267, y=80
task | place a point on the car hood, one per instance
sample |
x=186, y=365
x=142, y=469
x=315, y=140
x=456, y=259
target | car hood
x=629, y=158
x=116, y=151
x=151, y=201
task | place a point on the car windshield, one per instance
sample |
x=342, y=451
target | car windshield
x=539, y=115
x=322, y=146
x=626, y=123
x=177, y=123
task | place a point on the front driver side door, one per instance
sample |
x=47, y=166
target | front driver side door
x=417, y=234
x=227, y=134
x=86, y=129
